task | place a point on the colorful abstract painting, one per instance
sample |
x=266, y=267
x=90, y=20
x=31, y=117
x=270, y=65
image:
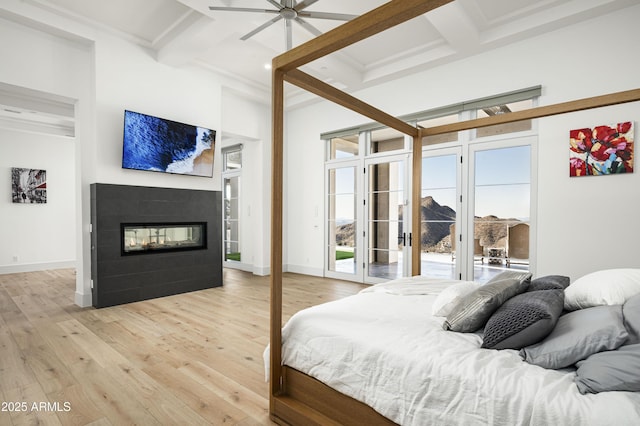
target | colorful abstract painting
x=601, y=150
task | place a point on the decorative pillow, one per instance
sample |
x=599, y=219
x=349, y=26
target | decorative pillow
x=631, y=314
x=523, y=320
x=617, y=370
x=577, y=335
x=524, y=276
x=448, y=298
x=549, y=282
x=473, y=310
x=608, y=287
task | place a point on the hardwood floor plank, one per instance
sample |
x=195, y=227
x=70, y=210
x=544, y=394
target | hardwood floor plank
x=193, y=358
x=35, y=410
x=82, y=411
x=14, y=370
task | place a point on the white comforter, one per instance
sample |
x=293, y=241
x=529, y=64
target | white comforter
x=384, y=348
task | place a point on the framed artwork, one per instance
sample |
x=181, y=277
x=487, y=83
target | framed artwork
x=601, y=150
x=28, y=186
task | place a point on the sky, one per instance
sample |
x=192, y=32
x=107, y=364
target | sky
x=501, y=177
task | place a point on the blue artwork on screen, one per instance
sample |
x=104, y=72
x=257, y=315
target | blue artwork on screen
x=160, y=145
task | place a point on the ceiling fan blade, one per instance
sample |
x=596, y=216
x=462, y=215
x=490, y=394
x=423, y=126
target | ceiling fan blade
x=307, y=26
x=288, y=34
x=327, y=15
x=261, y=27
x=304, y=4
x=276, y=4
x=242, y=9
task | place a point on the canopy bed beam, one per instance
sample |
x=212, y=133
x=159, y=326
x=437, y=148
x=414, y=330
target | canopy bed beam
x=416, y=203
x=277, y=173
x=322, y=89
x=378, y=20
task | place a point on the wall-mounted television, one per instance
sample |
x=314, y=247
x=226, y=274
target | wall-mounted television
x=160, y=145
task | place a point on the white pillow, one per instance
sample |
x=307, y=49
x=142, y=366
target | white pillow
x=607, y=287
x=448, y=298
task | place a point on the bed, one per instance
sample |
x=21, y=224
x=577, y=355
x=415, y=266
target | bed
x=297, y=397
x=384, y=348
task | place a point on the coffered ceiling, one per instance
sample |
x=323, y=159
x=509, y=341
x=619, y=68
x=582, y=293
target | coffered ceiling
x=187, y=31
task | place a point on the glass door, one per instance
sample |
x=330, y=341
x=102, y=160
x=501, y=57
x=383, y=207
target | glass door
x=440, y=230
x=501, y=177
x=231, y=212
x=388, y=212
x=342, y=222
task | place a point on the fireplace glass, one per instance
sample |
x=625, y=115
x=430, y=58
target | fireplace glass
x=153, y=237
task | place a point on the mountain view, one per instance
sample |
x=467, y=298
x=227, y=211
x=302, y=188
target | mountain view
x=435, y=232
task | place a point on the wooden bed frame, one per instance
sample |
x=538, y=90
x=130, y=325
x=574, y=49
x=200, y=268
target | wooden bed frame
x=296, y=398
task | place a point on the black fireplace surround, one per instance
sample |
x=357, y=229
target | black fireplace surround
x=151, y=242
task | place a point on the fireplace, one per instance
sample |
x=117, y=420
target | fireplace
x=151, y=242
x=148, y=238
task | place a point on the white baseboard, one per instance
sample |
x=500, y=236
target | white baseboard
x=83, y=300
x=238, y=265
x=304, y=270
x=35, y=267
x=256, y=270
x=262, y=271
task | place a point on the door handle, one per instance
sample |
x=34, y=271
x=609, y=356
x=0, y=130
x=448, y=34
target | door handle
x=402, y=239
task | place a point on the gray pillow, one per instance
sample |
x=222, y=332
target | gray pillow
x=617, y=370
x=524, y=276
x=578, y=335
x=473, y=310
x=523, y=320
x=631, y=314
x=549, y=282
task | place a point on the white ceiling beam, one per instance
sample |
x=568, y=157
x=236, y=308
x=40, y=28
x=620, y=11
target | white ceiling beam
x=187, y=40
x=455, y=26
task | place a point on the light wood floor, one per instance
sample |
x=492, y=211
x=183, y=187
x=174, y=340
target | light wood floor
x=189, y=359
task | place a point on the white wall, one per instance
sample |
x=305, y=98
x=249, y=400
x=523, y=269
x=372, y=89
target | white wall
x=107, y=75
x=59, y=66
x=128, y=77
x=582, y=224
x=251, y=128
x=38, y=235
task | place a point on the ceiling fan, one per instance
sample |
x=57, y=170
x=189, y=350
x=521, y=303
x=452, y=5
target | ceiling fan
x=288, y=10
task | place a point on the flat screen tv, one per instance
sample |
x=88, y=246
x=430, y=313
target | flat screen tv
x=156, y=144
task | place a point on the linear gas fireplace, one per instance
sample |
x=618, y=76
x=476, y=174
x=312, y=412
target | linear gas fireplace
x=147, y=238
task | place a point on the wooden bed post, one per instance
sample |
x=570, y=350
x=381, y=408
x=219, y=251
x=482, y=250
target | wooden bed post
x=416, y=209
x=277, y=164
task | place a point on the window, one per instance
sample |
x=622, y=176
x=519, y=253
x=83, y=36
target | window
x=343, y=147
x=385, y=140
x=231, y=179
x=440, y=121
x=499, y=129
x=476, y=195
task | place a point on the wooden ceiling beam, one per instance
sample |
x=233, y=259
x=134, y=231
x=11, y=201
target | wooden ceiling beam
x=320, y=88
x=376, y=21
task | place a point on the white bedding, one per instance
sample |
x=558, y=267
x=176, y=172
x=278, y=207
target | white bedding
x=384, y=348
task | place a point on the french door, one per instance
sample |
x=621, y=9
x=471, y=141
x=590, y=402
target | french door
x=344, y=221
x=476, y=209
x=441, y=229
x=387, y=233
x=368, y=219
